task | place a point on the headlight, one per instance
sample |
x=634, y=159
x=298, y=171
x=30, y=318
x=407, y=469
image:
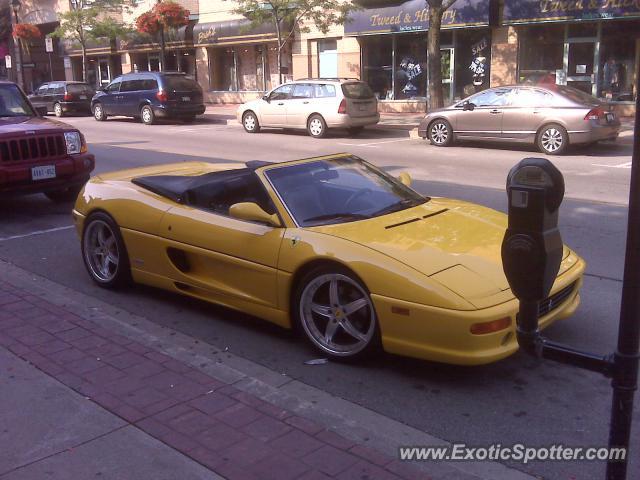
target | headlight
x=73, y=141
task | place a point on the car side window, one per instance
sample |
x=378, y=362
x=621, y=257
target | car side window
x=58, y=89
x=302, y=90
x=113, y=87
x=281, y=93
x=324, y=90
x=498, y=97
x=527, y=97
x=43, y=89
x=149, y=84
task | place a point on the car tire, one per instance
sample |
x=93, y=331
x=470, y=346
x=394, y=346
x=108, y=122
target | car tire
x=440, y=133
x=316, y=126
x=320, y=312
x=353, y=131
x=57, y=110
x=104, y=252
x=250, y=122
x=552, y=139
x=147, y=116
x=98, y=112
x=64, y=195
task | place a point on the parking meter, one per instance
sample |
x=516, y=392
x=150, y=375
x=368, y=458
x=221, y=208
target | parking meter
x=532, y=245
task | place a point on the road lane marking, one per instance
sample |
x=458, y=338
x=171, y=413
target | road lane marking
x=374, y=144
x=37, y=232
x=620, y=165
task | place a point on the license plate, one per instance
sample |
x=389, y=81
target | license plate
x=44, y=172
x=609, y=117
x=83, y=97
x=186, y=99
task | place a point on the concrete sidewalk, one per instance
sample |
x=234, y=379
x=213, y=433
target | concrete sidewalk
x=95, y=391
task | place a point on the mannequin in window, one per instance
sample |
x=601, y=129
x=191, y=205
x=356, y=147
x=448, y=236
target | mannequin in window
x=613, y=75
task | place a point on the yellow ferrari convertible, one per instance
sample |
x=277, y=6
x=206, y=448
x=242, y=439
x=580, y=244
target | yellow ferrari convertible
x=331, y=245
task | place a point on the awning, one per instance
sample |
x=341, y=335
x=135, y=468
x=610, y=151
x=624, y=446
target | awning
x=231, y=32
x=100, y=46
x=531, y=11
x=174, y=38
x=412, y=16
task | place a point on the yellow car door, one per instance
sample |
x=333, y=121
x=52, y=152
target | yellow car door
x=230, y=261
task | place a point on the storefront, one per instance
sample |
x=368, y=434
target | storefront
x=393, y=46
x=141, y=52
x=236, y=62
x=593, y=46
x=103, y=63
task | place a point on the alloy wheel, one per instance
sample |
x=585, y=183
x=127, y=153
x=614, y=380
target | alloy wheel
x=337, y=314
x=57, y=109
x=551, y=140
x=101, y=251
x=97, y=112
x=147, y=115
x=439, y=133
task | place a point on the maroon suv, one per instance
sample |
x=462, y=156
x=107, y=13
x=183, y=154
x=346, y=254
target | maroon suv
x=37, y=154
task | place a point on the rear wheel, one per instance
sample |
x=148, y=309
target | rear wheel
x=316, y=126
x=334, y=310
x=57, y=109
x=104, y=252
x=440, y=133
x=250, y=122
x=553, y=139
x=98, y=112
x=147, y=115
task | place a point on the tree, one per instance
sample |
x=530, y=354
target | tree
x=163, y=15
x=434, y=59
x=89, y=19
x=288, y=15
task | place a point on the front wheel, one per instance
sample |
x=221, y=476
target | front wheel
x=440, y=133
x=104, y=252
x=335, y=311
x=250, y=122
x=57, y=109
x=147, y=115
x=553, y=139
x=316, y=126
x=98, y=112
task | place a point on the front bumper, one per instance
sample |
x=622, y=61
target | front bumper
x=442, y=335
x=71, y=171
x=168, y=111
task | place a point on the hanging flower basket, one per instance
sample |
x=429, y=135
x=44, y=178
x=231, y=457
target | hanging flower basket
x=26, y=31
x=165, y=14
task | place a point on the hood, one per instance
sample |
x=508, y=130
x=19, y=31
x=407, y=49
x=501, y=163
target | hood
x=23, y=125
x=456, y=243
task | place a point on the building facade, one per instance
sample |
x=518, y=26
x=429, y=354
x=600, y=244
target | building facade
x=592, y=45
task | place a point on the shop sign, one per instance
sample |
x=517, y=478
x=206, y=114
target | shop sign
x=527, y=11
x=412, y=16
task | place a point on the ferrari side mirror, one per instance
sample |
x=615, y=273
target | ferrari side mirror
x=252, y=212
x=405, y=179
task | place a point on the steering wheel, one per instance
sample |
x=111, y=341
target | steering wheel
x=355, y=195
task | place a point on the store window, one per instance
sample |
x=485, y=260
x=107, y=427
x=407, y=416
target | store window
x=238, y=68
x=472, y=62
x=411, y=66
x=378, y=65
x=541, y=53
x=619, y=51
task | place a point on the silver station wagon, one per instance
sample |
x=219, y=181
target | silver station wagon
x=551, y=117
x=315, y=105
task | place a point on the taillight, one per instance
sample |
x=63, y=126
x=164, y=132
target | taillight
x=343, y=106
x=162, y=96
x=67, y=97
x=594, y=114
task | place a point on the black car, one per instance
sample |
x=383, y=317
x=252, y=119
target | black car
x=149, y=96
x=63, y=97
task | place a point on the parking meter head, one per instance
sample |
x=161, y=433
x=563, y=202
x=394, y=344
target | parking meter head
x=532, y=246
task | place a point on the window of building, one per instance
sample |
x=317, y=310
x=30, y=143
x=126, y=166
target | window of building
x=238, y=68
x=327, y=58
x=619, y=52
x=411, y=66
x=541, y=53
x=377, y=65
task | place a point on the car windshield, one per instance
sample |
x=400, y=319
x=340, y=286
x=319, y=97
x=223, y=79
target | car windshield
x=13, y=103
x=339, y=190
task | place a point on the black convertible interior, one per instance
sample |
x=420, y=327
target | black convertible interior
x=215, y=191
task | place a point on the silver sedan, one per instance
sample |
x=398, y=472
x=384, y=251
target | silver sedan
x=551, y=117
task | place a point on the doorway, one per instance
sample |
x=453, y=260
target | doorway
x=581, y=55
x=327, y=58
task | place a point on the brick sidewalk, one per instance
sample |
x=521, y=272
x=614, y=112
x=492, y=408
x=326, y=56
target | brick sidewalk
x=231, y=432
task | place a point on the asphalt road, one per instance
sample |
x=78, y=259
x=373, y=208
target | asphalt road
x=517, y=400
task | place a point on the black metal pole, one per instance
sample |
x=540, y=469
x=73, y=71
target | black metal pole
x=625, y=377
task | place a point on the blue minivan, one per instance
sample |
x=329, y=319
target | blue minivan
x=150, y=96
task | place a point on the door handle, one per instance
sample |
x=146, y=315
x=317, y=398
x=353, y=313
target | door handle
x=305, y=102
x=281, y=103
x=493, y=112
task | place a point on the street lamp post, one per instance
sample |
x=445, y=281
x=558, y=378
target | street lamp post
x=15, y=5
